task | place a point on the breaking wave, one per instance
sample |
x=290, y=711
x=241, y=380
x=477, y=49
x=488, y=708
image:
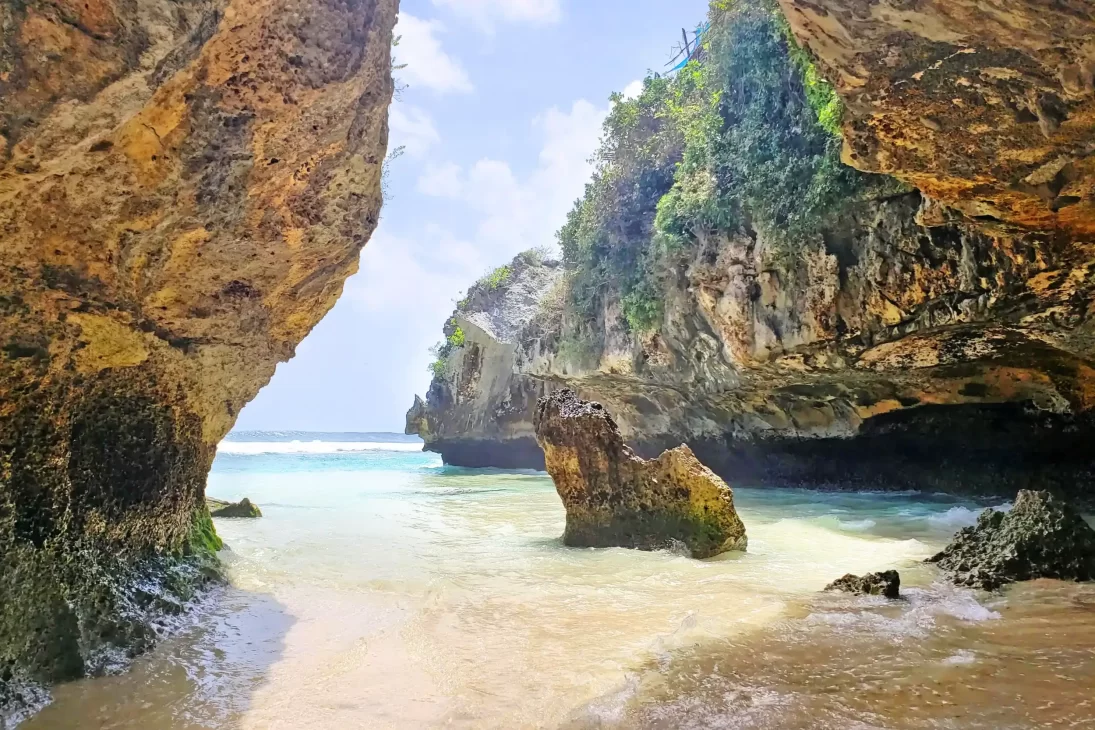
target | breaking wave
x=256, y=448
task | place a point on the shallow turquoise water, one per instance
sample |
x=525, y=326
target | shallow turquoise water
x=384, y=590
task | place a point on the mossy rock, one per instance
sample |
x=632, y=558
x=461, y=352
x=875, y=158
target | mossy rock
x=614, y=498
x=244, y=509
x=104, y=535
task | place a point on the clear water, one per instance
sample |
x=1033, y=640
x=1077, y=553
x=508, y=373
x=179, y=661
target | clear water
x=383, y=590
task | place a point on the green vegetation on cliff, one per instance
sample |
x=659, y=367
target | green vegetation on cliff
x=454, y=340
x=494, y=282
x=745, y=141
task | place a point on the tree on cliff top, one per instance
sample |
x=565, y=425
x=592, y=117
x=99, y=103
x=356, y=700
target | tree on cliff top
x=746, y=141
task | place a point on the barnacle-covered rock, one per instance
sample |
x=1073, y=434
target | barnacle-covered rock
x=615, y=498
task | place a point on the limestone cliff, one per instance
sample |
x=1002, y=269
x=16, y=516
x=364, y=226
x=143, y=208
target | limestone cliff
x=479, y=409
x=732, y=287
x=988, y=107
x=184, y=187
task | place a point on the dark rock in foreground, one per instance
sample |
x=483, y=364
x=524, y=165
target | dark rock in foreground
x=1042, y=537
x=887, y=583
x=243, y=508
x=614, y=498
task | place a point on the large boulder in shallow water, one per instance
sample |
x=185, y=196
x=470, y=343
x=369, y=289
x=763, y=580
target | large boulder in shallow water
x=1041, y=537
x=614, y=498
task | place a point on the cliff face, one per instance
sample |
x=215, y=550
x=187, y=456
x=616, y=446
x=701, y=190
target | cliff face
x=888, y=353
x=480, y=407
x=893, y=341
x=987, y=107
x=184, y=187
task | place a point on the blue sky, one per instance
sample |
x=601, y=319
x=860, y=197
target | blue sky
x=502, y=110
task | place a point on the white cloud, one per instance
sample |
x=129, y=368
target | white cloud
x=413, y=129
x=486, y=13
x=632, y=90
x=427, y=63
x=409, y=283
x=399, y=273
x=517, y=214
x=441, y=181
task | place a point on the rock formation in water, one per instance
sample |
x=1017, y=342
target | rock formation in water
x=184, y=187
x=614, y=498
x=886, y=583
x=1041, y=537
x=234, y=510
x=479, y=409
x=796, y=322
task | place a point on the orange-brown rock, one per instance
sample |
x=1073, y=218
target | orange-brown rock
x=614, y=498
x=988, y=107
x=184, y=188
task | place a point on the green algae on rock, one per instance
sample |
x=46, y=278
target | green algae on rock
x=614, y=498
x=78, y=609
x=242, y=509
x=1040, y=537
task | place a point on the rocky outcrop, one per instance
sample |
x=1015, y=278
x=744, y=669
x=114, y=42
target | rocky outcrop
x=184, y=187
x=1040, y=537
x=886, y=354
x=902, y=342
x=988, y=108
x=479, y=409
x=243, y=509
x=886, y=584
x=614, y=498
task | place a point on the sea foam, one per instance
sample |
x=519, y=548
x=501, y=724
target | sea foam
x=256, y=448
x=958, y=517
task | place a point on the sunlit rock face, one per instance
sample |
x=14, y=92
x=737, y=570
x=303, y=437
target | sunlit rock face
x=184, y=188
x=887, y=354
x=614, y=498
x=479, y=410
x=988, y=107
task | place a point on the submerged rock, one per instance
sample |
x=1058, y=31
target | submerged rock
x=614, y=498
x=1041, y=537
x=886, y=583
x=243, y=508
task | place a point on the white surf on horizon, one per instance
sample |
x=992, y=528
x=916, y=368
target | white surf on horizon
x=255, y=448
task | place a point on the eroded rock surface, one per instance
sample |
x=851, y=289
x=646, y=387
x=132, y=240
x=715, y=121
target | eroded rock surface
x=615, y=498
x=886, y=354
x=479, y=409
x=184, y=187
x=886, y=583
x=988, y=107
x=1041, y=537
